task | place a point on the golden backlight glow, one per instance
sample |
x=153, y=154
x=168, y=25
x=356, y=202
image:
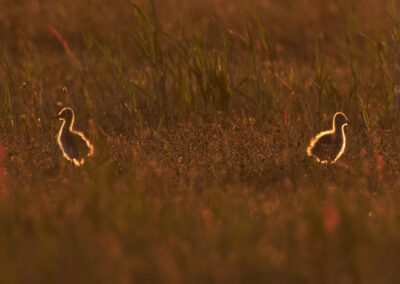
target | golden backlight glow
x=69, y=150
x=332, y=132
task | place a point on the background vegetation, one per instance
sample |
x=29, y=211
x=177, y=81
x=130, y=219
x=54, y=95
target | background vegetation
x=200, y=113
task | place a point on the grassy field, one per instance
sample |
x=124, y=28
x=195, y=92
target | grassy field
x=200, y=113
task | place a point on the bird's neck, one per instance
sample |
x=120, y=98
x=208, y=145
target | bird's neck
x=338, y=129
x=67, y=125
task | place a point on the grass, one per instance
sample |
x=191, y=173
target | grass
x=200, y=115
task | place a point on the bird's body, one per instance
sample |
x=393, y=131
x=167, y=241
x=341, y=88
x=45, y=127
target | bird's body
x=328, y=146
x=73, y=144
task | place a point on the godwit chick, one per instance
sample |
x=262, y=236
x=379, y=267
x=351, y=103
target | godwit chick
x=74, y=145
x=328, y=146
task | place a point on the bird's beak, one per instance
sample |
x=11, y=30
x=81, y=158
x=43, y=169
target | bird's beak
x=56, y=117
x=348, y=123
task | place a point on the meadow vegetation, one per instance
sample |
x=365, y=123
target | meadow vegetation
x=200, y=113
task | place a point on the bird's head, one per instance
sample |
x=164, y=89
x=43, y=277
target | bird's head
x=66, y=114
x=340, y=120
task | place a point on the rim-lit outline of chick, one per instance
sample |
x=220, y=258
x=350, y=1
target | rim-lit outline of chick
x=327, y=146
x=73, y=144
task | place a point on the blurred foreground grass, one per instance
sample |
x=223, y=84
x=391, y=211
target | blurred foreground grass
x=200, y=114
